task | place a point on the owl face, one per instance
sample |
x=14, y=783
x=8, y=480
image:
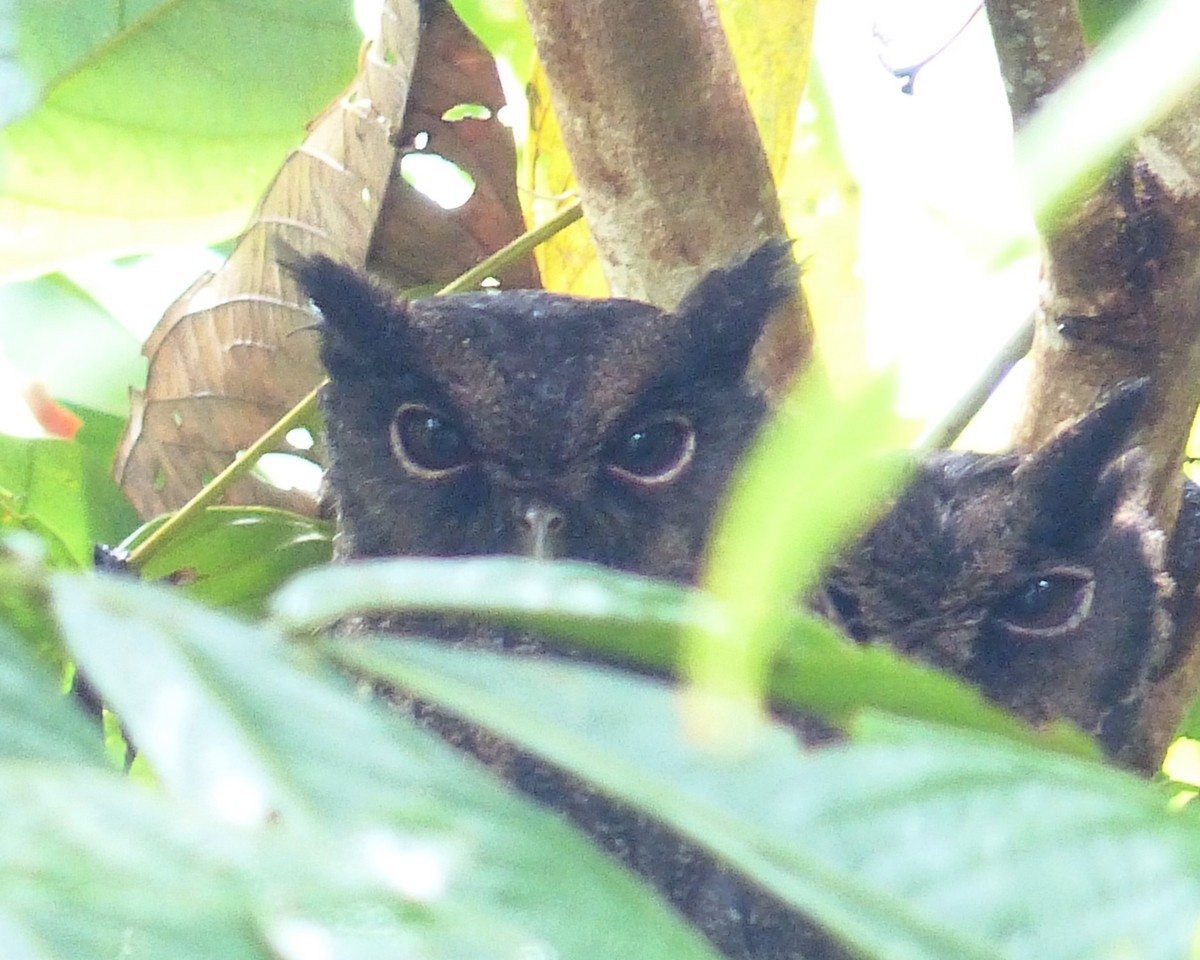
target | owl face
x=531, y=423
x=1040, y=579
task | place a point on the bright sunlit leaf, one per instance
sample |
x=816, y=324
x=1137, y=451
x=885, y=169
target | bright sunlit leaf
x=158, y=122
x=815, y=477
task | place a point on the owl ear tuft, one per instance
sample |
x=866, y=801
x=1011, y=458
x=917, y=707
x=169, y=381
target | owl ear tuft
x=1071, y=481
x=359, y=318
x=726, y=312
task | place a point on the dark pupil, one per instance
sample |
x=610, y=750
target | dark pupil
x=430, y=441
x=1045, y=602
x=653, y=449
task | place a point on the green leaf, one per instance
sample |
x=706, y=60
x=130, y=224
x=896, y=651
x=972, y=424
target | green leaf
x=234, y=557
x=1100, y=16
x=237, y=723
x=37, y=723
x=144, y=133
x=822, y=672
x=41, y=489
x=596, y=607
x=770, y=544
x=62, y=490
x=917, y=842
x=639, y=621
x=95, y=868
x=56, y=335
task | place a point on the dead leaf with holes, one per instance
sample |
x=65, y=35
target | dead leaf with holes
x=453, y=114
x=234, y=353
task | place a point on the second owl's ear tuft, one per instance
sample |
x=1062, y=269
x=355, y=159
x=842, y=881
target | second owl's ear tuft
x=359, y=318
x=728, y=310
x=1069, y=480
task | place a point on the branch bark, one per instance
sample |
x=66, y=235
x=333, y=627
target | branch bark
x=1118, y=300
x=671, y=172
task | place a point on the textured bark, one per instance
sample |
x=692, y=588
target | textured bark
x=673, y=178
x=1119, y=295
x=1039, y=44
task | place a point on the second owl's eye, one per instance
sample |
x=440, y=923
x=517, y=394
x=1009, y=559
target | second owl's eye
x=655, y=451
x=1049, y=604
x=428, y=443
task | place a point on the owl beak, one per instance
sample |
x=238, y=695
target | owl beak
x=541, y=530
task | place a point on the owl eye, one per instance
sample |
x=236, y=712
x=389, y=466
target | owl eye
x=427, y=443
x=1049, y=604
x=654, y=452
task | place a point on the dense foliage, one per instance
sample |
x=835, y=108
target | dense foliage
x=274, y=810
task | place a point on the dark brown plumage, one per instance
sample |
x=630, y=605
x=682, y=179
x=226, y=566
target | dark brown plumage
x=606, y=430
x=1043, y=579
x=529, y=422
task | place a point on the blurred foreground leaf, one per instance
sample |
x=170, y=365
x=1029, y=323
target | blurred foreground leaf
x=814, y=478
x=442, y=860
x=916, y=842
x=37, y=723
x=1099, y=111
x=144, y=133
x=639, y=621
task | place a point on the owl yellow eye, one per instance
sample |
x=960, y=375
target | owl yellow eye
x=654, y=452
x=427, y=443
x=1049, y=604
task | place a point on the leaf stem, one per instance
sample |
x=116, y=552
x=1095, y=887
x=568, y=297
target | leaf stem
x=947, y=430
x=515, y=249
x=218, y=484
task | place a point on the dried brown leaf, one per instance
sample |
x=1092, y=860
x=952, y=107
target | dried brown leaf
x=233, y=354
x=416, y=241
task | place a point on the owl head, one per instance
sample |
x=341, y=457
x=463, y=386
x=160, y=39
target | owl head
x=527, y=422
x=1039, y=578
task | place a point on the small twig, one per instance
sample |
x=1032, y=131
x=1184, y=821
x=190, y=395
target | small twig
x=908, y=73
x=947, y=430
x=218, y=484
x=303, y=410
x=515, y=250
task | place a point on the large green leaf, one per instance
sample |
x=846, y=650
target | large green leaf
x=916, y=842
x=94, y=868
x=234, y=721
x=159, y=120
x=640, y=621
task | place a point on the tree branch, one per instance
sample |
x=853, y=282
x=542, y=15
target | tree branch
x=673, y=178
x=1119, y=296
